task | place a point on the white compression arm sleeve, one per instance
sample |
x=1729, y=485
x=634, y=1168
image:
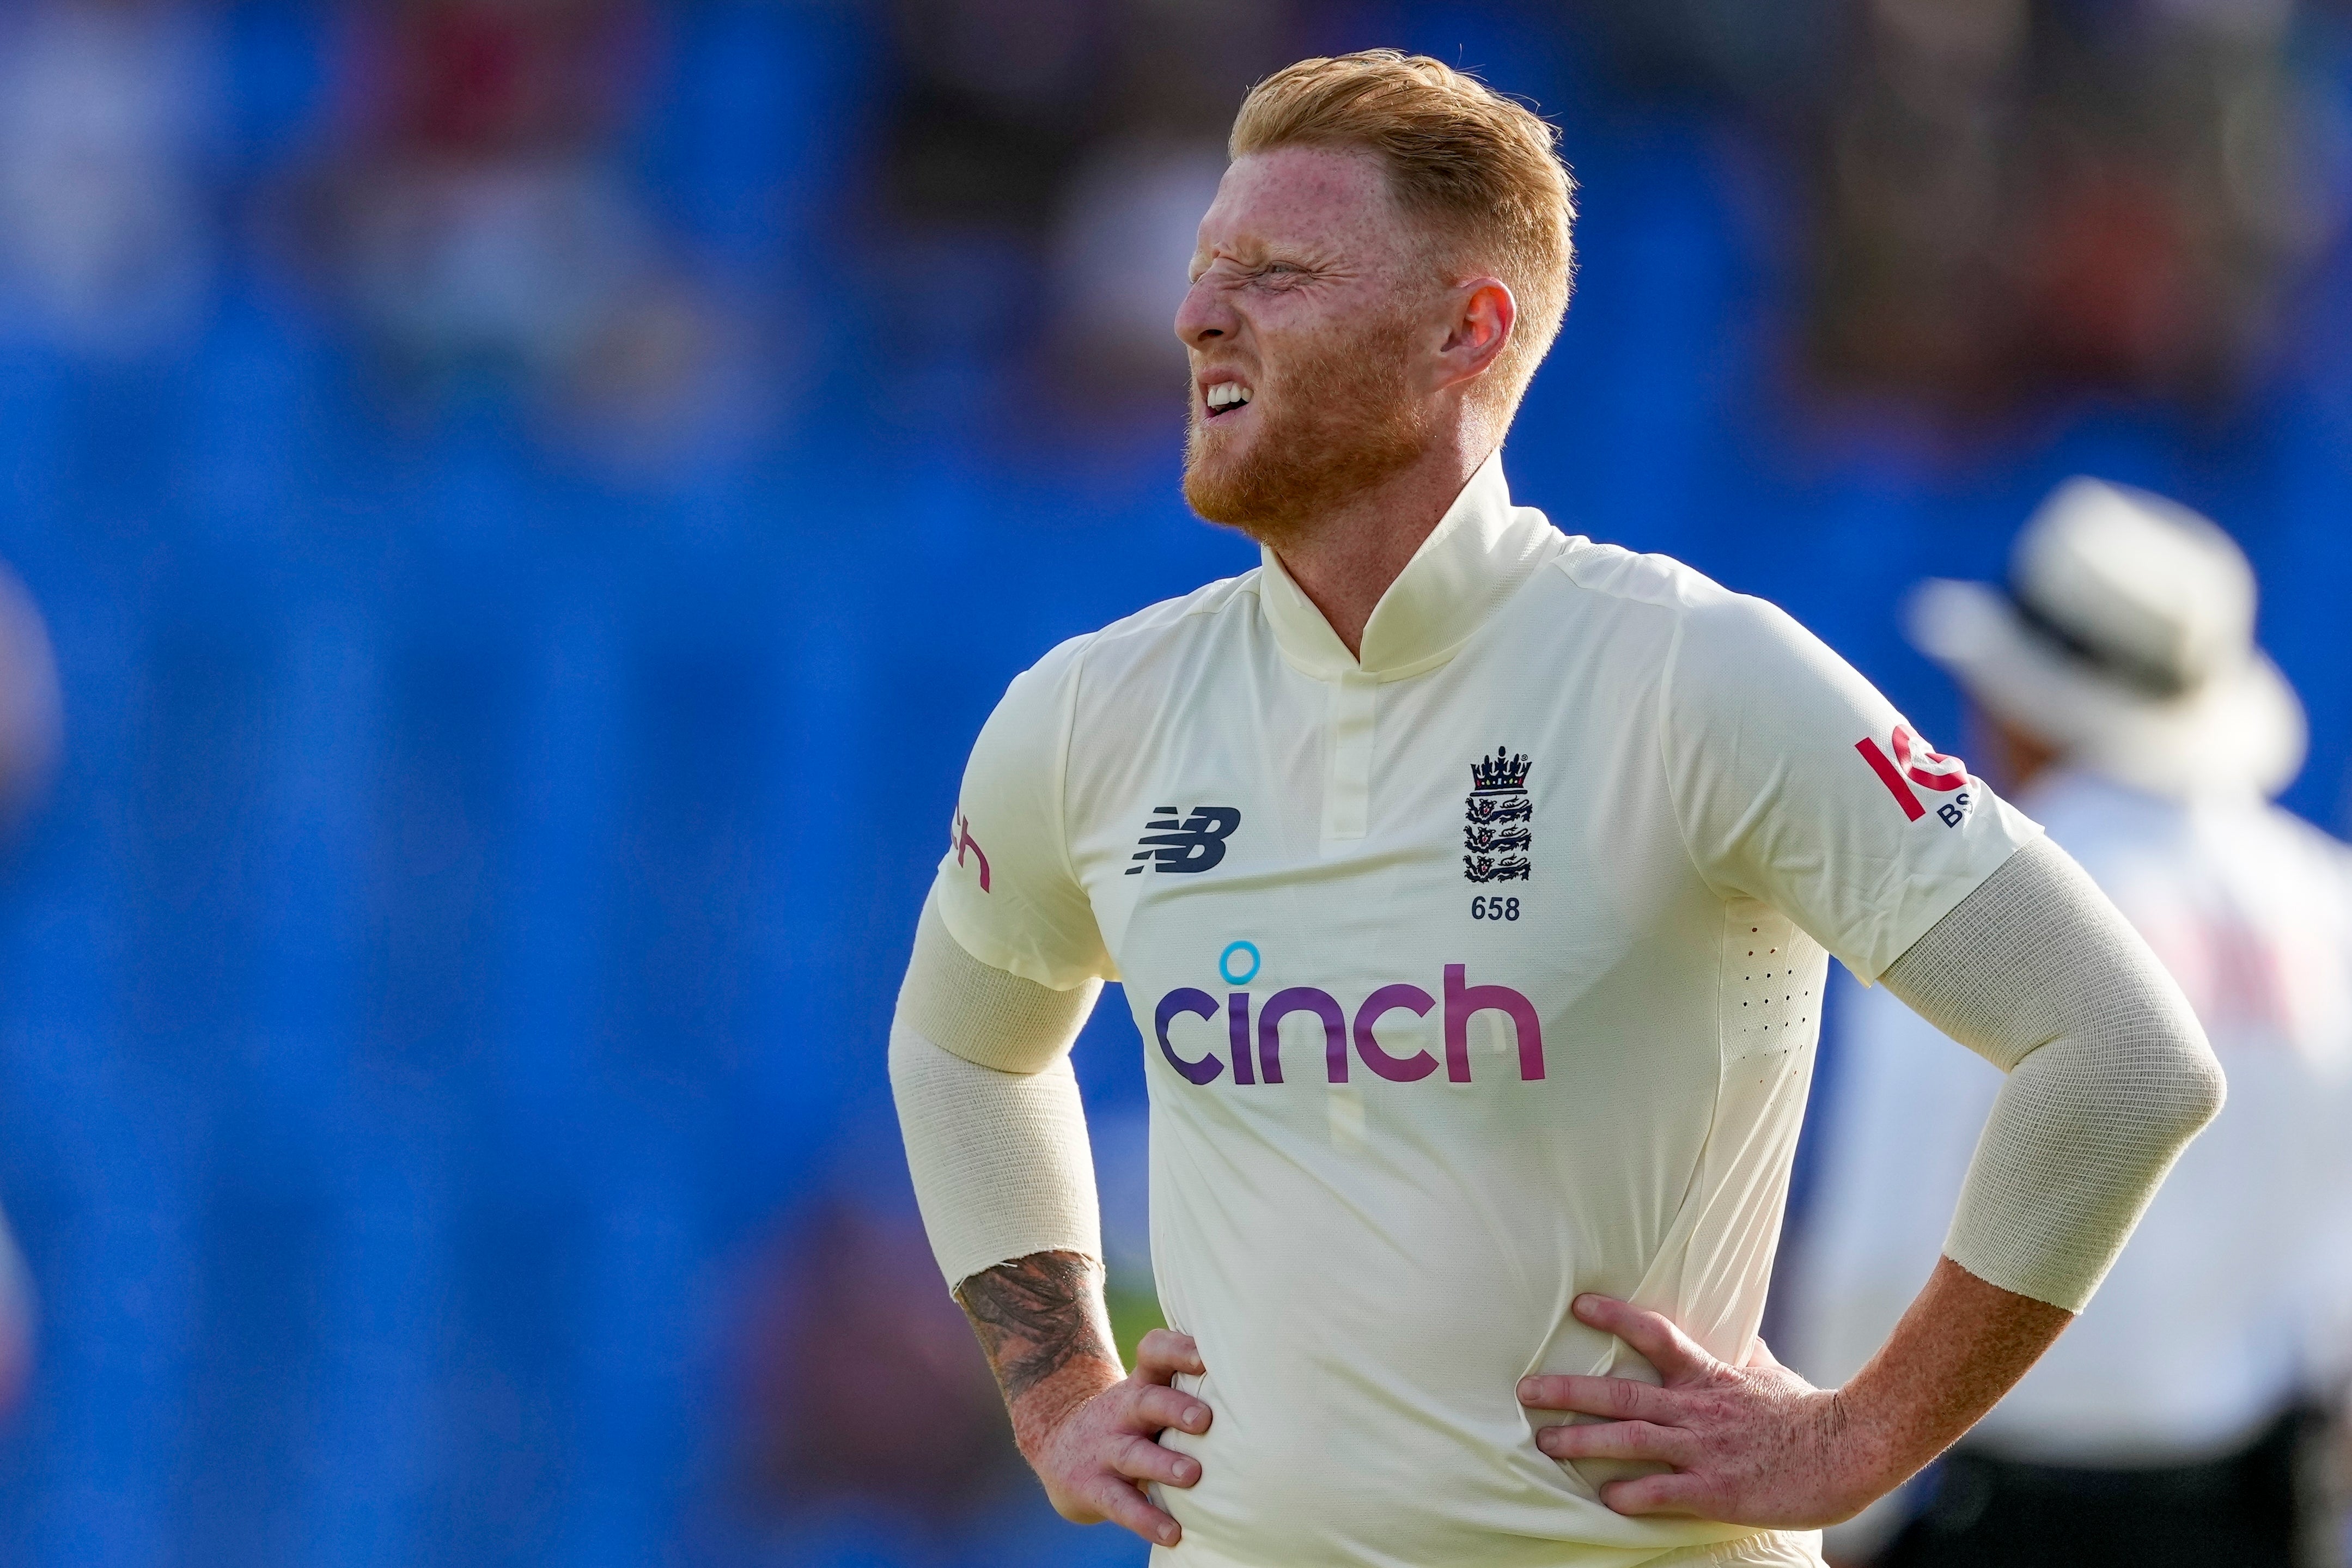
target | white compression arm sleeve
x=2109, y=1073
x=995, y=1137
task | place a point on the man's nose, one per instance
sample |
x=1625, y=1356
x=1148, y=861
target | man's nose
x=1205, y=316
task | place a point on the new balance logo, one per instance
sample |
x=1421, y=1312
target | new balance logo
x=1914, y=763
x=1195, y=843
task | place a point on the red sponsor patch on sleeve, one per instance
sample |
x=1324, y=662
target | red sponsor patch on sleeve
x=1913, y=762
x=964, y=840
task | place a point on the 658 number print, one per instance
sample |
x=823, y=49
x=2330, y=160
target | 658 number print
x=1494, y=909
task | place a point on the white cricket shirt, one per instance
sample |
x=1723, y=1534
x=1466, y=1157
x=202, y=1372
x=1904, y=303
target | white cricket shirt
x=1473, y=975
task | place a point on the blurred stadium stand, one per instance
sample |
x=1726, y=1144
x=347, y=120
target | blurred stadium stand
x=532, y=500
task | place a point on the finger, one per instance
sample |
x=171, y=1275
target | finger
x=1618, y=1398
x=1141, y=1460
x=1662, y=1346
x=1156, y=1407
x=1617, y=1440
x=1760, y=1357
x=1124, y=1504
x=1675, y=1494
x=1165, y=1354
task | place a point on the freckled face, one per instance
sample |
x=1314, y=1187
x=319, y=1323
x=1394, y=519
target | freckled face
x=1302, y=326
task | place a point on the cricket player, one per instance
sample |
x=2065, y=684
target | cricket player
x=1472, y=886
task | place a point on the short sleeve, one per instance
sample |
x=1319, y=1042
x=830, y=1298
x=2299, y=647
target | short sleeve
x=1006, y=888
x=1797, y=784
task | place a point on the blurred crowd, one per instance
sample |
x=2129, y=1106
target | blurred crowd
x=1980, y=204
x=530, y=498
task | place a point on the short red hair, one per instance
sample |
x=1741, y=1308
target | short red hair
x=1480, y=170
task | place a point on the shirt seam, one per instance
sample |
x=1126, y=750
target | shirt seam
x=1062, y=777
x=1723, y=941
x=1666, y=671
x=1243, y=582
x=1068, y=741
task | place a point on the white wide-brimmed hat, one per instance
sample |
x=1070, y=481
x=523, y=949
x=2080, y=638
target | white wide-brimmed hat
x=2126, y=640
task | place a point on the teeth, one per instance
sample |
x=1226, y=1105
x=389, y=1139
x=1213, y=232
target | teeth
x=1228, y=394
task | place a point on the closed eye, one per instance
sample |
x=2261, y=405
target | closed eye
x=1282, y=274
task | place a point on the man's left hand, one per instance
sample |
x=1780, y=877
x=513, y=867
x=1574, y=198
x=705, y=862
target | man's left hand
x=1749, y=1445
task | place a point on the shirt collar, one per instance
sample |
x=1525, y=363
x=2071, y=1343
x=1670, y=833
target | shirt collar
x=1479, y=553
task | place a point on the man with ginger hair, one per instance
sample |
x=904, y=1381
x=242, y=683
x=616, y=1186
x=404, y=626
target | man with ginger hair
x=1472, y=886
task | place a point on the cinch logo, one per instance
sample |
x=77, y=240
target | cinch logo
x=1931, y=769
x=1196, y=843
x=1463, y=1002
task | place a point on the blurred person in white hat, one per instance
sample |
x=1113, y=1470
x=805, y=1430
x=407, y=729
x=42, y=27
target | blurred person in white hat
x=2117, y=683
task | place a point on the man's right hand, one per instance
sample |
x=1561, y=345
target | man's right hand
x=1096, y=1454
x=1091, y=1432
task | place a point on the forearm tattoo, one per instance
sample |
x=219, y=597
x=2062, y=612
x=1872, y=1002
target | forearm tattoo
x=1036, y=1316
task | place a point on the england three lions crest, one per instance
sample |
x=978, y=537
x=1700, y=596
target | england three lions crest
x=1498, y=817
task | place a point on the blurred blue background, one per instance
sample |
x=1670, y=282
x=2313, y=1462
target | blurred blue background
x=531, y=500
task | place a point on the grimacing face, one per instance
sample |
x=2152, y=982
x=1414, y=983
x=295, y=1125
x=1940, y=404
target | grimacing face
x=1311, y=298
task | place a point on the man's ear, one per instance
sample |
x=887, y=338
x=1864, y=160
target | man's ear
x=1484, y=316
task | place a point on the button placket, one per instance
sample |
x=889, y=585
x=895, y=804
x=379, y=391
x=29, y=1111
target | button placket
x=1347, y=787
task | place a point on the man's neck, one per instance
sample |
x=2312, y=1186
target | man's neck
x=1345, y=561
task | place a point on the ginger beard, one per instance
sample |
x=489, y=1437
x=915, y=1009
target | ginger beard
x=1338, y=421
